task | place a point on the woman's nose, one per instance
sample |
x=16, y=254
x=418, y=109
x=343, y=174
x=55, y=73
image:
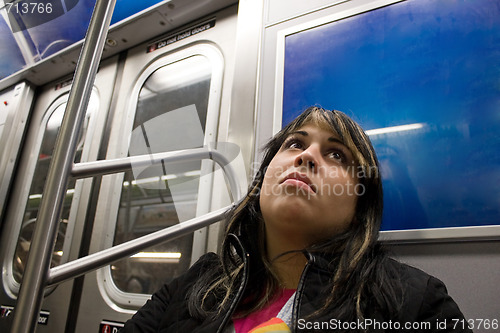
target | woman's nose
x=308, y=158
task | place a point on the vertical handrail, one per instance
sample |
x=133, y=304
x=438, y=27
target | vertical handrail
x=36, y=273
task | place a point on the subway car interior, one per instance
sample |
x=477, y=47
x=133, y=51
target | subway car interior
x=128, y=128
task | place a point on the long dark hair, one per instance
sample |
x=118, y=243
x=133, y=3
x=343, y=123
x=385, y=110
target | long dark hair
x=354, y=255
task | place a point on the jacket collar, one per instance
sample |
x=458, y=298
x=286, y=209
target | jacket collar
x=319, y=260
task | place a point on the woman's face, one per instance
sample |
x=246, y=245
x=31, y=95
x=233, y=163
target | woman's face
x=310, y=188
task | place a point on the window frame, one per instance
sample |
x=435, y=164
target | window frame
x=12, y=286
x=108, y=202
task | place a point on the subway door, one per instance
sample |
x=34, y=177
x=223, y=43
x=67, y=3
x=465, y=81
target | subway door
x=27, y=189
x=15, y=105
x=174, y=95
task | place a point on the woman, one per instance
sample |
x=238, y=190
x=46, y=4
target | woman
x=301, y=251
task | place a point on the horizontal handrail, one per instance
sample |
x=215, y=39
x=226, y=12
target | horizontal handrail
x=102, y=258
x=99, y=259
x=89, y=169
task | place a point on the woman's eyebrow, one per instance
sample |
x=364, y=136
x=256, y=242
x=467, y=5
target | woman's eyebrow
x=303, y=133
x=337, y=140
x=330, y=139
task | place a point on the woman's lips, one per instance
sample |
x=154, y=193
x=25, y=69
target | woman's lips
x=299, y=180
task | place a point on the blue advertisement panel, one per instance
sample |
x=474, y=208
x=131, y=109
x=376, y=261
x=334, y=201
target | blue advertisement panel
x=31, y=31
x=422, y=77
x=11, y=58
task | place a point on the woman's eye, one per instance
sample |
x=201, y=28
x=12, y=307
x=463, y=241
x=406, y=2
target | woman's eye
x=294, y=144
x=337, y=156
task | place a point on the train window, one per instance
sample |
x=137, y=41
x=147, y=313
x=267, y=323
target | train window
x=47, y=138
x=171, y=114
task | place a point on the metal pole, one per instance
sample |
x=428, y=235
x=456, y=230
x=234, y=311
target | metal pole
x=93, y=261
x=90, y=169
x=37, y=268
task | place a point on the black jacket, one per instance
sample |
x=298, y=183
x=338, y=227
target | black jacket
x=426, y=303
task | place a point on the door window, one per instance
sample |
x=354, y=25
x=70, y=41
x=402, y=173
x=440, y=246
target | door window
x=51, y=125
x=171, y=114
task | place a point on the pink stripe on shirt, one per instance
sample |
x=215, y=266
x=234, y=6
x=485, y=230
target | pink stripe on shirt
x=243, y=325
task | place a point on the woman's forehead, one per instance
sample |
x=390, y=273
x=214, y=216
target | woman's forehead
x=319, y=124
x=308, y=128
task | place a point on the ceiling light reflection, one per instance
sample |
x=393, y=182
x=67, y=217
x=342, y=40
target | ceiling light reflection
x=392, y=129
x=157, y=255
